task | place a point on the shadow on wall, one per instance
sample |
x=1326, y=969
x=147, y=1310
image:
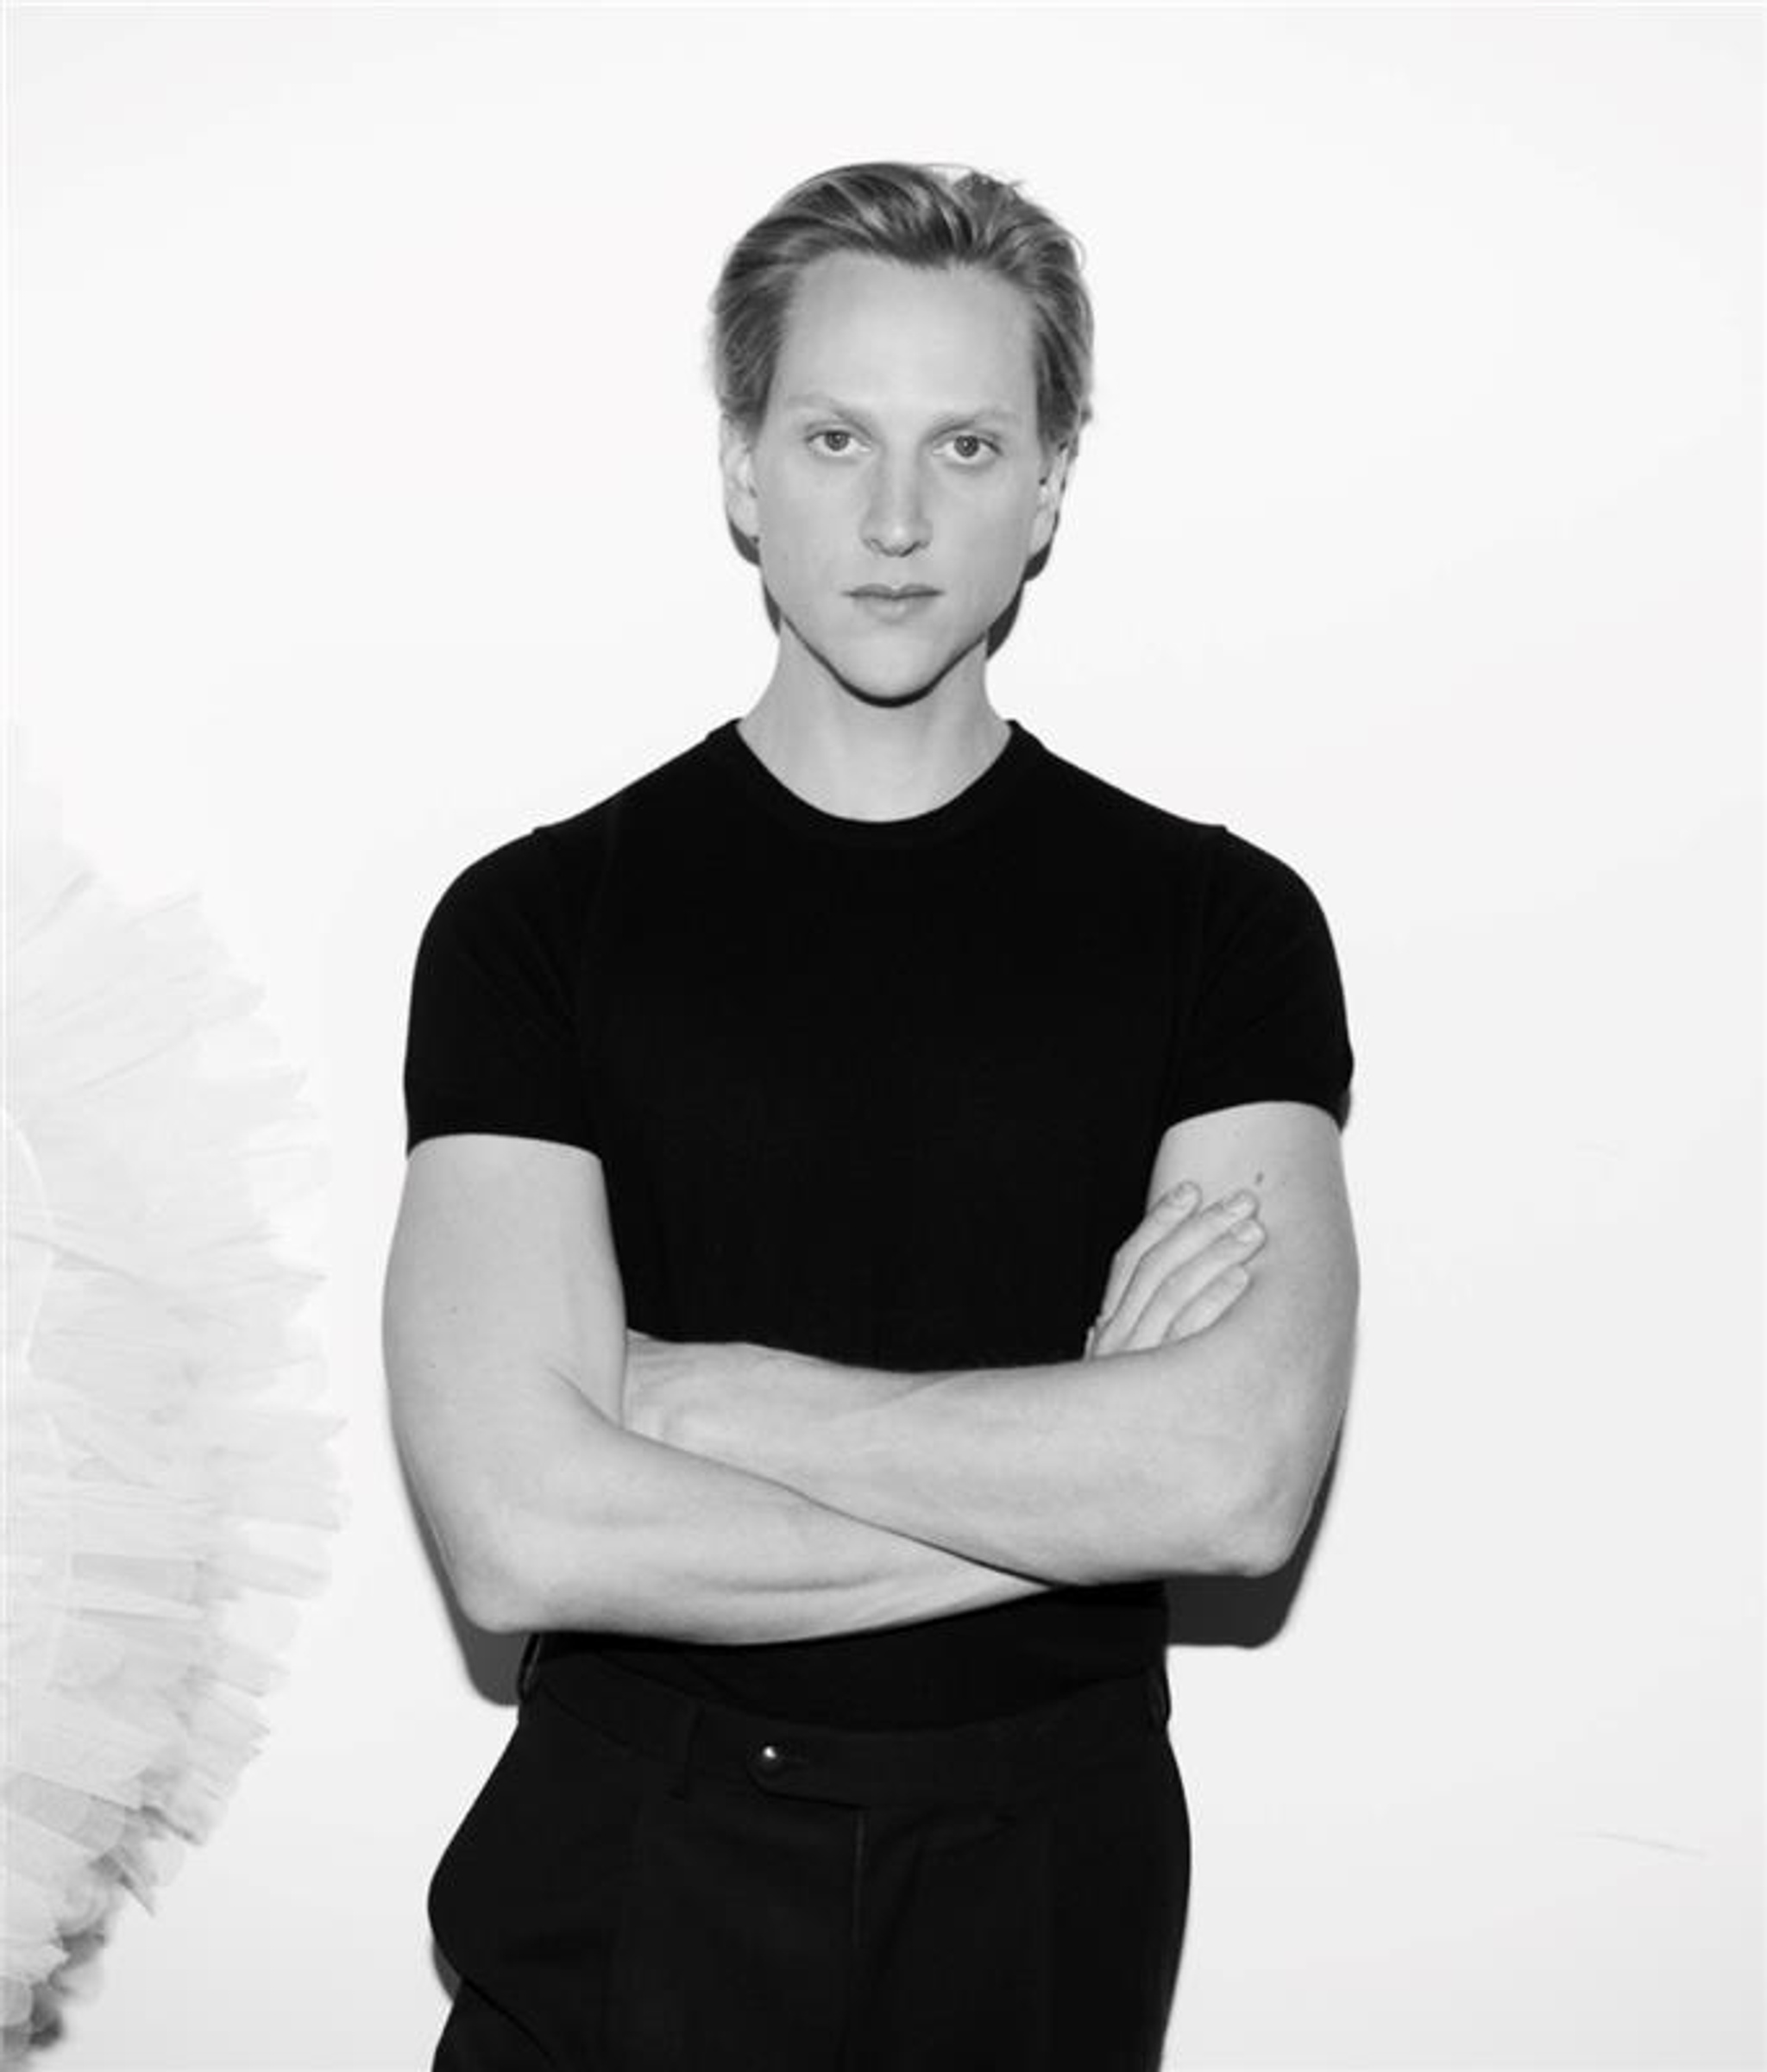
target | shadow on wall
x=1243, y=1611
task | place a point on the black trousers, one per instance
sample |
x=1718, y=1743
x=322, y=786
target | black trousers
x=650, y=1883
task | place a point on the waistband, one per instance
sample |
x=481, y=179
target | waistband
x=993, y=1762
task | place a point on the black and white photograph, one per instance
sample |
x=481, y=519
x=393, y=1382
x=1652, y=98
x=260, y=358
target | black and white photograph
x=883, y=1059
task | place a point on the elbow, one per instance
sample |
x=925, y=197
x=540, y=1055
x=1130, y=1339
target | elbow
x=1265, y=1536
x=470, y=1542
x=528, y=1580
x=493, y=1605
x=494, y=1574
x=1257, y=1533
x=1254, y=1537
x=1293, y=1390
x=481, y=1580
x=1236, y=1522
x=1282, y=1483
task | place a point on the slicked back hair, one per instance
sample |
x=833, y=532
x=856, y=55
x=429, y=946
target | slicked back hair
x=923, y=216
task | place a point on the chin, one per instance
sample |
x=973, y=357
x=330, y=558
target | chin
x=865, y=671
x=871, y=689
x=899, y=685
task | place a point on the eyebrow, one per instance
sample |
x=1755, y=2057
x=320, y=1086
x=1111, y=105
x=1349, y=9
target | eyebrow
x=814, y=400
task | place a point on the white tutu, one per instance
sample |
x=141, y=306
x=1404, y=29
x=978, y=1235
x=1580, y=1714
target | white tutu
x=167, y=1486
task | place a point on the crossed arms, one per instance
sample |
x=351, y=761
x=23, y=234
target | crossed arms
x=575, y=1475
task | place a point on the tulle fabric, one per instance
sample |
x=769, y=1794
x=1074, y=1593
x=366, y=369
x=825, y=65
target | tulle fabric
x=169, y=1485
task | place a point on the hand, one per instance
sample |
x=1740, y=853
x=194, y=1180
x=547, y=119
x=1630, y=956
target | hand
x=1179, y=1270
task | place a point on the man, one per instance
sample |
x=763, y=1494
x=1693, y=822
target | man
x=792, y=1319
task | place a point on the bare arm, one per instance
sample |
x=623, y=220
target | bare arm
x=504, y=1339
x=1204, y=1454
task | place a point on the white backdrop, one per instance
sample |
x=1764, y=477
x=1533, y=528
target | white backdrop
x=365, y=513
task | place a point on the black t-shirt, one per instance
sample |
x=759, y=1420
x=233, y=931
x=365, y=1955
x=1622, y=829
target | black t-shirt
x=885, y=1092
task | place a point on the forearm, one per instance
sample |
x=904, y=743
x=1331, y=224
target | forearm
x=622, y=1533
x=1143, y=1464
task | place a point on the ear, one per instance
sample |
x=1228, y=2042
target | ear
x=736, y=462
x=1050, y=486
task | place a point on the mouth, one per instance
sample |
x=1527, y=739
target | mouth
x=884, y=601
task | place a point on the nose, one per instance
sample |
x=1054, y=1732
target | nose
x=895, y=516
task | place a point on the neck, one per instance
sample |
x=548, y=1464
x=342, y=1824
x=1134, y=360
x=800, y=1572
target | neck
x=869, y=762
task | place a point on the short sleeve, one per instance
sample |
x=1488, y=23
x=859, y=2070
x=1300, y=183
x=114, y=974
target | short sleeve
x=1266, y=1019
x=491, y=1043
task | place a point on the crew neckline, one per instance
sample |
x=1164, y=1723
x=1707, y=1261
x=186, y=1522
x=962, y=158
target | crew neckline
x=982, y=796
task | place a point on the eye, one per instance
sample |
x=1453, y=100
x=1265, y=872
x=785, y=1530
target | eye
x=973, y=439
x=831, y=431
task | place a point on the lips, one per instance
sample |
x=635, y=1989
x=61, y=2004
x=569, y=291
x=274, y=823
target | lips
x=886, y=607
x=893, y=591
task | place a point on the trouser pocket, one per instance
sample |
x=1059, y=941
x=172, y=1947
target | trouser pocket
x=528, y=1897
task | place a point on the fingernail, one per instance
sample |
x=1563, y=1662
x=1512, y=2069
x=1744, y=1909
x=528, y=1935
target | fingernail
x=1249, y=1233
x=1185, y=1191
x=1239, y=1205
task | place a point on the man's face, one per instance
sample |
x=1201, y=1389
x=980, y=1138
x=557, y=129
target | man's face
x=900, y=446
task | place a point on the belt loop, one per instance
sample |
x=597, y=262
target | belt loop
x=1159, y=1694
x=681, y=1734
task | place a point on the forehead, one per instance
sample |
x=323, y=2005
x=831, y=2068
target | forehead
x=863, y=327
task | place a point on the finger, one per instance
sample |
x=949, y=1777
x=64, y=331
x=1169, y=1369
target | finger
x=1171, y=1208
x=1234, y=1251
x=1182, y=1264
x=1194, y=1287
x=1165, y=1241
x=1167, y=1235
x=1210, y=1306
